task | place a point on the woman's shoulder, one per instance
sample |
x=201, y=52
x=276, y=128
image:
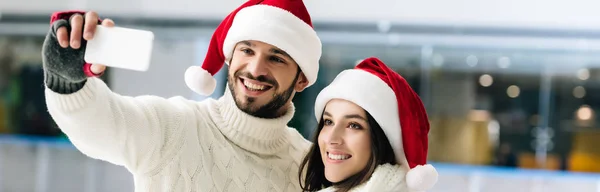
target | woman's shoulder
x=387, y=177
x=390, y=171
x=328, y=189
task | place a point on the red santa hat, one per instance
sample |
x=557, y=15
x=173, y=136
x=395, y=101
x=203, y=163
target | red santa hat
x=285, y=24
x=396, y=108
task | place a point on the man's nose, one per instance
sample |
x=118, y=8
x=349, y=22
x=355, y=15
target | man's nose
x=257, y=67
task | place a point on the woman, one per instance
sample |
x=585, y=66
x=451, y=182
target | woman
x=372, y=135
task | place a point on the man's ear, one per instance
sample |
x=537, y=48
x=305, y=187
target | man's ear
x=302, y=83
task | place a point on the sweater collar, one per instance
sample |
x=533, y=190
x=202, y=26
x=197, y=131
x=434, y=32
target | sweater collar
x=258, y=135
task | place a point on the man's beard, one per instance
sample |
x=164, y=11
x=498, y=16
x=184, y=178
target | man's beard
x=269, y=110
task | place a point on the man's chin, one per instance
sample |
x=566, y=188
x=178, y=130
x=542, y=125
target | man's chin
x=248, y=104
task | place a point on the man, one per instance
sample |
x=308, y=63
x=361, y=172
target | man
x=239, y=142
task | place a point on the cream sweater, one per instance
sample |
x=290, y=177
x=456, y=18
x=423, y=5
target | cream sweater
x=181, y=145
x=385, y=178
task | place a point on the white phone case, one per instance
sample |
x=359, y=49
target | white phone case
x=120, y=47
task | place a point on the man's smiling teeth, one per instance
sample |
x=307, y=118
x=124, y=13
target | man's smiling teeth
x=254, y=87
x=337, y=157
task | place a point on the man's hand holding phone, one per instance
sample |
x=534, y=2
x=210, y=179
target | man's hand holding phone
x=76, y=30
x=77, y=39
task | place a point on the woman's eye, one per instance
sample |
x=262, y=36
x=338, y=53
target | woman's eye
x=355, y=126
x=327, y=122
x=247, y=51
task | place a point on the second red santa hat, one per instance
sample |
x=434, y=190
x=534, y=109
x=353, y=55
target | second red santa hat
x=285, y=24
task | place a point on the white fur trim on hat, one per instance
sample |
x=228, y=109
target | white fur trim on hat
x=380, y=101
x=199, y=80
x=279, y=28
x=421, y=177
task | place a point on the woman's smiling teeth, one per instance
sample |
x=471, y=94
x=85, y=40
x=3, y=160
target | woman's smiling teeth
x=338, y=156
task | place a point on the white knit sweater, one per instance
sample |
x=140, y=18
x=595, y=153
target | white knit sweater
x=181, y=145
x=385, y=178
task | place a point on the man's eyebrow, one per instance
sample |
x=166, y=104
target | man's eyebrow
x=281, y=52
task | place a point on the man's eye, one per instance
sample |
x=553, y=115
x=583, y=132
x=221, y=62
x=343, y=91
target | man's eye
x=277, y=59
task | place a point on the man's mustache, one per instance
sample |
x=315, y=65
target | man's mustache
x=262, y=78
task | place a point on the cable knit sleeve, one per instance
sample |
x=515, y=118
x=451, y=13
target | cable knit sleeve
x=136, y=132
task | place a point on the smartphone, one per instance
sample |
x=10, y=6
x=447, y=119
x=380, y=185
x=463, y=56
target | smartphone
x=120, y=47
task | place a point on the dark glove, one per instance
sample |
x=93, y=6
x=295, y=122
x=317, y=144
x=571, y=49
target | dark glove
x=63, y=67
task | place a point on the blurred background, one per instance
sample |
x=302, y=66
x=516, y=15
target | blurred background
x=510, y=86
